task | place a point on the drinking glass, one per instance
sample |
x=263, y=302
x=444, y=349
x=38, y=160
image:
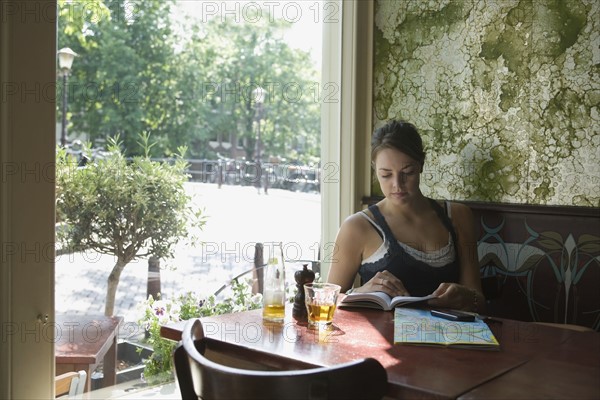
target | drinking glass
x=321, y=301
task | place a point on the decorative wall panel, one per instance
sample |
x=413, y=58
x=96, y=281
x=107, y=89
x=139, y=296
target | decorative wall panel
x=505, y=93
x=544, y=261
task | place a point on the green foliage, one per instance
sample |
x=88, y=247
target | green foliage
x=74, y=17
x=247, y=55
x=158, y=368
x=126, y=208
x=136, y=73
x=129, y=209
x=122, y=81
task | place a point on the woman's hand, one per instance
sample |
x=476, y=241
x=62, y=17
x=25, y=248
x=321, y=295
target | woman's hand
x=454, y=295
x=386, y=282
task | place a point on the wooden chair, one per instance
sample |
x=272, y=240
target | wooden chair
x=70, y=383
x=200, y=377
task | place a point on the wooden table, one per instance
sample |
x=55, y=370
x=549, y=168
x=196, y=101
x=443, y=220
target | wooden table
x=530, y=355
x=83, y=341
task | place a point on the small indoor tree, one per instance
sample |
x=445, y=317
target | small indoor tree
x=126, y=208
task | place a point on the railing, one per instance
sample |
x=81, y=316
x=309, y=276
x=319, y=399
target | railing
x=225, y=171
x=299, y=178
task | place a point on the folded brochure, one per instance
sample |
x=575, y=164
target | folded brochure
x=379, y=300
x=419, y=327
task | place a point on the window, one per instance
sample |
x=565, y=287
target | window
x=26, y=222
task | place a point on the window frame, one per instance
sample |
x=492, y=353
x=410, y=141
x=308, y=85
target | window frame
x=347, y=122
x=27, y=197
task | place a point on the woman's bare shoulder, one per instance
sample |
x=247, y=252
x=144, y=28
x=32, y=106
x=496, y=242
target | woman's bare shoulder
x=357, y=219
x=461, y=211
x=462, y=217
x=356, y=223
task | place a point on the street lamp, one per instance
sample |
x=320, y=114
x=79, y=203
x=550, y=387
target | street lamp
x=65, y=61
x=259, y=97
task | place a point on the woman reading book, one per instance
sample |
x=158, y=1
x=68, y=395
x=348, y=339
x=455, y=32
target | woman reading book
x=408, y=244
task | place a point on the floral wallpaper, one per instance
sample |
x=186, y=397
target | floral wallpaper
x=506, y=94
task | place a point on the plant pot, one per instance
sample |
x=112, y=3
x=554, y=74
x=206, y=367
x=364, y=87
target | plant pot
x=130, y=354
x=134, y=355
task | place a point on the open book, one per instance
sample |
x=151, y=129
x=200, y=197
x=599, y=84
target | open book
x=379, y=300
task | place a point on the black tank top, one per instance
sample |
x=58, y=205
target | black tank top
x=418, y=277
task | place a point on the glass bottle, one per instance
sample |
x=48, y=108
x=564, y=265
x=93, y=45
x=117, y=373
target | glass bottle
x=274, y=286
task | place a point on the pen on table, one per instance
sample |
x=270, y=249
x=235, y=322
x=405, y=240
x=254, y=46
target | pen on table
x=486, y=318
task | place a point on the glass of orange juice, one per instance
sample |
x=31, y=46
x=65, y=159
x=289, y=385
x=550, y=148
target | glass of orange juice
x=274, y=286
x=321, y=301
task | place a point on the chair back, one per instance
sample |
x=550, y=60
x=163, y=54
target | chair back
x=202, y=378
x=70, y=383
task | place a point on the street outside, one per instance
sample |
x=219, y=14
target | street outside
x=237, y=218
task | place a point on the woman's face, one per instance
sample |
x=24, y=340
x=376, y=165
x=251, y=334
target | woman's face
x=398, y=175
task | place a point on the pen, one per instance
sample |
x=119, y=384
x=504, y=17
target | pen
x=484, y=317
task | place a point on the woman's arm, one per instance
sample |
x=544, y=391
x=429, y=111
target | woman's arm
x=468, y=294
x=467, y=247
x=347, y=253
x=350, y=244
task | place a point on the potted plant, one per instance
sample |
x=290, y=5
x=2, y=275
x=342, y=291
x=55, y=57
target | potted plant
x=128, y=208
x=156, y=312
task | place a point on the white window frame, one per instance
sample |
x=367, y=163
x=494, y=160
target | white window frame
x=346, y=122
x=27, y=155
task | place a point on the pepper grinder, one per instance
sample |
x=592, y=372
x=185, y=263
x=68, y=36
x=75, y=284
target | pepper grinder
x=305, y=276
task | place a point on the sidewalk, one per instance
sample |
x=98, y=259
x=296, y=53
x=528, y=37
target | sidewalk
x=238, y=217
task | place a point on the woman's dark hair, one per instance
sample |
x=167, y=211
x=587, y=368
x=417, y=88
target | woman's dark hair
x=400, y=135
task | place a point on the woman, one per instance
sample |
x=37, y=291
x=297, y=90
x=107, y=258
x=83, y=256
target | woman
x=407, y=244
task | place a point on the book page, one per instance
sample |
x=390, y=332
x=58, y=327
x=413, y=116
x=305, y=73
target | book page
x=368, y=299
x=380, y=300
x=400, y=300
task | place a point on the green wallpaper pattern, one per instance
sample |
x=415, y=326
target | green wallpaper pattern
x=506, y=94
